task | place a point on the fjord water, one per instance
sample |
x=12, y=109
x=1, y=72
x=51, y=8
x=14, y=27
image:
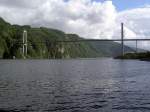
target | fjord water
x=83, y=85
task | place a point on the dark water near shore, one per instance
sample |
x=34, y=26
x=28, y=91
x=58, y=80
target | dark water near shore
x=94, y=85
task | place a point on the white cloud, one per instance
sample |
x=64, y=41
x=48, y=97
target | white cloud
x=138, y=21
x=87, y=18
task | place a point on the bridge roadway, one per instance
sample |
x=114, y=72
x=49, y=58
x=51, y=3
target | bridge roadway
x=83, y=40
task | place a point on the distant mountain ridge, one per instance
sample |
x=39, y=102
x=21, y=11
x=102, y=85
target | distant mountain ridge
x=10, y=32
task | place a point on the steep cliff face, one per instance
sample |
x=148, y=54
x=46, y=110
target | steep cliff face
x=8, y=49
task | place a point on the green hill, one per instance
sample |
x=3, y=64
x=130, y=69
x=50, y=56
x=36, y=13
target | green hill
x=8, y=49
x=108, y=48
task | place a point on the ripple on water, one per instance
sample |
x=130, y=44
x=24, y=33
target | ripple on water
x=98, y=85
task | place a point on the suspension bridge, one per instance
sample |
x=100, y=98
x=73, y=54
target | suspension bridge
x=25, y=42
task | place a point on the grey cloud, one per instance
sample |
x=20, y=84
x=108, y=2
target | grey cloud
x=20, y=3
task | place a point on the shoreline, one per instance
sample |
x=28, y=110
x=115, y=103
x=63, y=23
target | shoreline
x=143, y=56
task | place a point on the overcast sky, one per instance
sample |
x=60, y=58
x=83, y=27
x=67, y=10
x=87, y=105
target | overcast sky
x=87, y=18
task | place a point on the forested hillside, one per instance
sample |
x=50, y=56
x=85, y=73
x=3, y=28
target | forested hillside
x=8, y=48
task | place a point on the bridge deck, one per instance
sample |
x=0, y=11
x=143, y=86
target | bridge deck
x=86, y=40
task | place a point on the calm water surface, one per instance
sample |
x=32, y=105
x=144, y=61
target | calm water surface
x=85, y=85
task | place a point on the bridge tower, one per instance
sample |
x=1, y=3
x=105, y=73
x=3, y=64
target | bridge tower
x=122, y=38
x=25, y=45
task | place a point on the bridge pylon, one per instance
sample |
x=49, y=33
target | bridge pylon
x=25, y=44
x=122, y=38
